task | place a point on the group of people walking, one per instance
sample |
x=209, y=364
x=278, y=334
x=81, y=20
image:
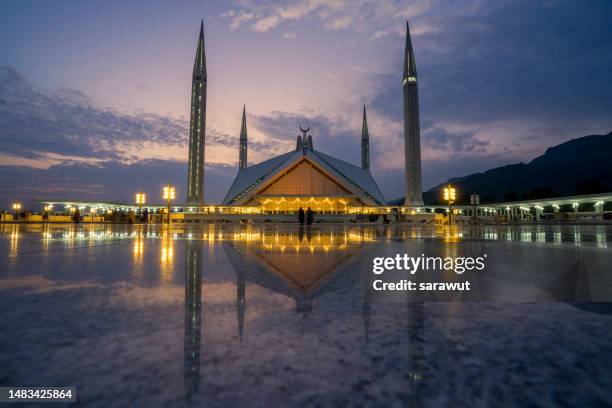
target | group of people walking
x=309, y=216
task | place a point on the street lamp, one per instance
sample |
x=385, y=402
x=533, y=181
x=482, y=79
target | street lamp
x=449, y=195
x=141, y=198
x=475, y=200
x=169, y=194
x=16, y=208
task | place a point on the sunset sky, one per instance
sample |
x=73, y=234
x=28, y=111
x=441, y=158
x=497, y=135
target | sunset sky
x=94, y=96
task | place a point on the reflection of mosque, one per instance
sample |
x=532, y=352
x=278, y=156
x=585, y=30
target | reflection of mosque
x=302, y=265
x=298, y=266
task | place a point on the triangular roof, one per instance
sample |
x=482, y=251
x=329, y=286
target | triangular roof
x=354, y=178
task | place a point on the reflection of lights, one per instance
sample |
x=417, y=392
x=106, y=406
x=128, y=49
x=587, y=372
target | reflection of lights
x=138, y=247
x=14, y=240
x=167, y=255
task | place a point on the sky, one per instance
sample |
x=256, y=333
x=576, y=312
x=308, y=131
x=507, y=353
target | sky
x=94, y=96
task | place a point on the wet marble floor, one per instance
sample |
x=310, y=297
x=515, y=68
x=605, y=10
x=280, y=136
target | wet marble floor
x=273, y=315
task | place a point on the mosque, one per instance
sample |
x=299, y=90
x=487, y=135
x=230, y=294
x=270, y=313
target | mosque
x=303, y=177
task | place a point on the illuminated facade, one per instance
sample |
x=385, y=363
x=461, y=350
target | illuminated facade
x=197, y=126
x=304, y=178
x=412, y=132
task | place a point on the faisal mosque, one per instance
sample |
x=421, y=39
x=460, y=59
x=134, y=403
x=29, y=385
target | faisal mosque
x=301, y=178
x=304, y=177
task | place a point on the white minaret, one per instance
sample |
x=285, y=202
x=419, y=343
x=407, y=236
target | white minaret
x=242, y=159
x=197, y=126
x=412, y=132
x=365, y=143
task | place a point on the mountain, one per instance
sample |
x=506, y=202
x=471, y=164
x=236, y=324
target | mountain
x=578, y=166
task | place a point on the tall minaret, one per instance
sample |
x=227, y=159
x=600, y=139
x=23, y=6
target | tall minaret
x=197, y=126
x=412, y=133
x=365, y=143
x=242, y=162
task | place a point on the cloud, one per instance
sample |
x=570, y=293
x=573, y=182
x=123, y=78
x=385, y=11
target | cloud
x=43, y=128
x=61, y=144
x=238, y=20
x=330, y=14
x=338, y=23
x=459, y=143
x=66, y=126
x=266, y=23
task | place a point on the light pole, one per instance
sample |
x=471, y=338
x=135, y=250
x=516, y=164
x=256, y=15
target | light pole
x=449, y=195
x=16, y=208
x=475, y=200
x=169, y=194
x=141, y=198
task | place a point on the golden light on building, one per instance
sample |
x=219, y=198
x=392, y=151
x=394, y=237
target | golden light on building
x=16, y=207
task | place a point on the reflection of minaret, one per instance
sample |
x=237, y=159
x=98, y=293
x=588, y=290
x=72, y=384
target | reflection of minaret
x=240, y=303
x=365, y=143
x=197, y=126
x=193, y=308
x=366, y=311
x=416, y=352
x=412, y=132
x=303, y=303
x=242, y=160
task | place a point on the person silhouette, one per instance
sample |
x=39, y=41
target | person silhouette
x=301, y=216
x=309, y=216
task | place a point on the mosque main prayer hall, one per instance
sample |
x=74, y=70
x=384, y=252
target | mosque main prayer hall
x=303, y=177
